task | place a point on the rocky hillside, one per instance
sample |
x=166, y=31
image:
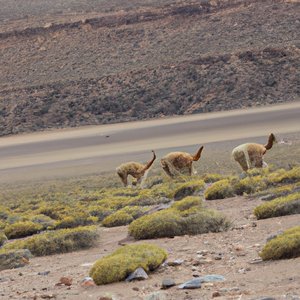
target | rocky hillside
x=91, y=63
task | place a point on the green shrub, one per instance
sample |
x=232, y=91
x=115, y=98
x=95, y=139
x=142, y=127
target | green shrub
x=219, y=190
x=165, y=223
x=22, y=229
x=188, y=189
x=286, y=245
x=249, y=185
x=3, y=238
x=75, y=220
x=211, y=178
x=4, y=213
x=124, y=216
x=184, y=217
x=43, y=220
x=188, y=205
x=283, y=176
x=118, y=265
x=100, y=212
x=58, y=241
x=282, y=206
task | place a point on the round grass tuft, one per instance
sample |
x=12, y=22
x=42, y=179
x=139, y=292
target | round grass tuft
x=286, y=245
x=118, y=265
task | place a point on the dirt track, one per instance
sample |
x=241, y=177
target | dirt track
x=95, y=149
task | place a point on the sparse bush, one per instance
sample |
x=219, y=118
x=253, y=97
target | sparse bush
x=282, y=206
x=184, y=217
x=211, y=178
x=3, y=238
x=219, y=190
x=43, y=220
x=118, y=265
x=283, y=176
x=75, y=220
x=22, y=229
x=249, y=185
x=58, y=241
x=188, y=205
x=286, y=245
x=188, y=189
x=124, y=216
x=100, y=212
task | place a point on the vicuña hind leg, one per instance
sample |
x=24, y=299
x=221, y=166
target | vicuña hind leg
x=166, y=168
x=123, y=178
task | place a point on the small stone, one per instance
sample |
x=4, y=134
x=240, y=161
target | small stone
x=176, y=262
x=194, y=268
x=86, y=264
x=218, y=257
x=48, y=296
x=191, y=284
x=167, y=283
x=203, y=252
x=47, y=25
x=138, y=274
x=135, y=288
x=65, y=281
x=216, y=294
x=273, y=236
x=256, y=261
x=106, y=298
x=87, y=281
x=212, y=278
x=155, y=296
x=44, y=273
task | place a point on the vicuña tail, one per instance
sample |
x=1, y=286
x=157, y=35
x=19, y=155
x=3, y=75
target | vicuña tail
x=198, y=154
x=271, y=140
x=149, y=164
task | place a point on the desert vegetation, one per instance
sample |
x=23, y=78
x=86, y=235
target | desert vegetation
x=118, y=265
x=52, y=220
x=285, y=245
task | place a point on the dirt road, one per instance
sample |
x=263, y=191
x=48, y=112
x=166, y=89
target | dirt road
x=95, y=149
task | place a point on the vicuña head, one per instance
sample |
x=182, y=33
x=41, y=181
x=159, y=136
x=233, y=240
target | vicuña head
x=135, y=169
x=176, y=163
x=250, y=155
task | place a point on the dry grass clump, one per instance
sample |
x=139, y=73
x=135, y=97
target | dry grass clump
x=188, y=189
x=282, y=206
x=219, y=190
x=124, y=216
x=286, y=245
x=3, y=238
x=211, y=178
x=184, y=217
x=249, y=185
x=118, y=265
x=22, y=229
x=284, y=176
x=43, y=220
x=59, y=241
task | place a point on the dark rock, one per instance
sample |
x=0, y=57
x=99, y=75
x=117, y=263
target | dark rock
x=216, y=294
x=167, y=283
x=138, y=274
x=14, y=259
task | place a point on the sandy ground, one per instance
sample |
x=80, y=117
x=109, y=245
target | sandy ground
x=237, y=249
x=95, y=149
